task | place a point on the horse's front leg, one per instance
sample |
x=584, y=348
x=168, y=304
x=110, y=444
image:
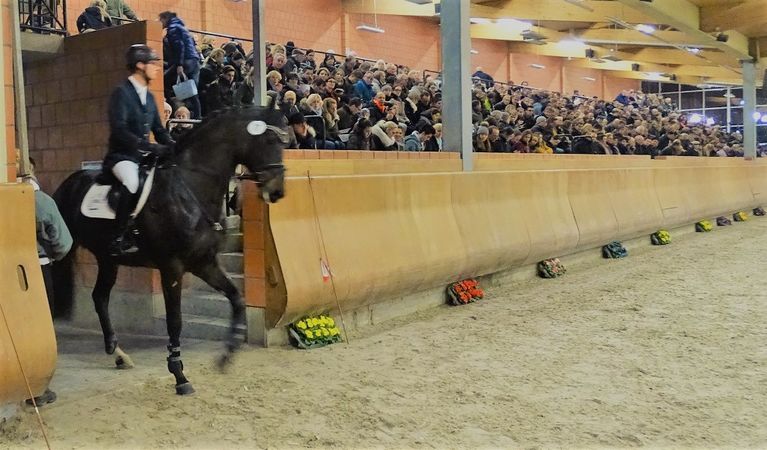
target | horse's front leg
x=104, y=282
x=171, y=289
x=215, y=277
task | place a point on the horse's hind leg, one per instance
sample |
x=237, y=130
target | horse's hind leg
x=171, y=289
x=104, y=283
x=215, y=277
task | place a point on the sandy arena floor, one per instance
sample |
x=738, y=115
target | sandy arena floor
x=664, y=349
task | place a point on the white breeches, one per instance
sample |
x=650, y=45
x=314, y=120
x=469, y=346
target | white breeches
x=127, y=173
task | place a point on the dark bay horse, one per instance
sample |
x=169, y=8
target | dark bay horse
x=177, y=229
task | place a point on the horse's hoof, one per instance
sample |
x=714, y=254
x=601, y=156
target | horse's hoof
x=123, y=361
x=224, y=361
x=184, y=389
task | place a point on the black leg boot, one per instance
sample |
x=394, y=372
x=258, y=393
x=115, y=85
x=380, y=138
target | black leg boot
x=123, y=243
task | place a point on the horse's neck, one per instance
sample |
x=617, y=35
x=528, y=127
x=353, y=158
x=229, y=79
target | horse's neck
x=206, y=172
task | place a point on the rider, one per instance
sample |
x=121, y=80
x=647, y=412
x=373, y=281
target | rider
x=132, y=115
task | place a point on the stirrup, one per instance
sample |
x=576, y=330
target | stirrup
x=122, y=246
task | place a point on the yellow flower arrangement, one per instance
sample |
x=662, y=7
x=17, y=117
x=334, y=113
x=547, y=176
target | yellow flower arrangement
x=317, y=331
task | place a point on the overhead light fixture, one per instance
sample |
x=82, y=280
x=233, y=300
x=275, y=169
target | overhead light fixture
x=537, y=66
x=532, y=36
x=420, y=2
x=480, y=20
x=721, y=37
x=611, y=57
x=694, y=50
x=370, y=28
x=474, y=52
x=589, y=78
x=646, y=29
x=513, y=23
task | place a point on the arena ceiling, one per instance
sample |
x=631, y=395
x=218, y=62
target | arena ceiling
x=640, y=39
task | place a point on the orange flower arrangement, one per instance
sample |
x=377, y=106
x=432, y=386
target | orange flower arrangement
x=464, y=292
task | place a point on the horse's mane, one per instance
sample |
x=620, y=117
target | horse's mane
x=268, y=115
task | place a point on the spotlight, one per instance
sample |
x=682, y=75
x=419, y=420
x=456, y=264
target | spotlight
x=721, y=37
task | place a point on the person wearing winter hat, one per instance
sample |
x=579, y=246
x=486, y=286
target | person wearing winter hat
x=303, y=132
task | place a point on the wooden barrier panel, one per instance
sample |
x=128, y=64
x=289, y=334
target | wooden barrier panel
x=25, y=314
x=391, y=234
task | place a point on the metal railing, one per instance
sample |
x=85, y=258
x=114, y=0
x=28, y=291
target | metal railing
x=43, y=16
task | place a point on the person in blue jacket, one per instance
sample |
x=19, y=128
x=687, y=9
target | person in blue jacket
x=182, y=57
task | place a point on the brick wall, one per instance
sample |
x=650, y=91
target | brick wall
x=411, y=41
x=67, y=98
x=493, y=57
x=8, y=157
x=580, y=78
x=549, y=78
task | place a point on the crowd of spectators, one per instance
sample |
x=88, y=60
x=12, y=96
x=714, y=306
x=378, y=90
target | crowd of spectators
x=334, y=102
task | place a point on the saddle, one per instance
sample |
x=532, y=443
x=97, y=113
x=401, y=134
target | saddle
x=102, y=198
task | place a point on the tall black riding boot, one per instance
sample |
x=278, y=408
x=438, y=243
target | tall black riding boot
x=123, y=242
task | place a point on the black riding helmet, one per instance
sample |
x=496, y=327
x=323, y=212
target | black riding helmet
x=140, y=53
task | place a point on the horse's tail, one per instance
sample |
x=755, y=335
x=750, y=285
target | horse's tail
x=68, y=197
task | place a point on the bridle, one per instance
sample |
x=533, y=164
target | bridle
x=269, y=171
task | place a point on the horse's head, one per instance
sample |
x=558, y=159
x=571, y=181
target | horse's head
x=263, y=136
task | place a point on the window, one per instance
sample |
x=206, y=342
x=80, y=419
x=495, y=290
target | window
x=691, y=100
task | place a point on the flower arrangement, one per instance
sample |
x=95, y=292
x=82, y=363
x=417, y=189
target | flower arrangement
x=314, y=331
x=464, y=292
x=740, y=216
x=551, y=268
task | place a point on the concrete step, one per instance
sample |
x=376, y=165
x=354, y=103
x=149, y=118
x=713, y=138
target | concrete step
x=232, y=262
x=205, y=304
x=232, y=222
x=232, y=243
x=193, y=284
x=198, y=327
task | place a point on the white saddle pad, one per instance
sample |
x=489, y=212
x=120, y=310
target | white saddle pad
x=96, y=206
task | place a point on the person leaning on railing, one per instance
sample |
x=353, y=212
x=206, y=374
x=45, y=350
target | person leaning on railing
x=120, y=9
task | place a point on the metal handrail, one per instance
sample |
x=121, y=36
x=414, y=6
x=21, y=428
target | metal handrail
x=35, y=15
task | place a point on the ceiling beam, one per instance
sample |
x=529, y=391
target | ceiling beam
x=554, y=10
x=560, y=10
x=620, y=36
x=674, y=56
x=685, y=17
x=749, y=17
x=512, y=32
x=577, y=56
